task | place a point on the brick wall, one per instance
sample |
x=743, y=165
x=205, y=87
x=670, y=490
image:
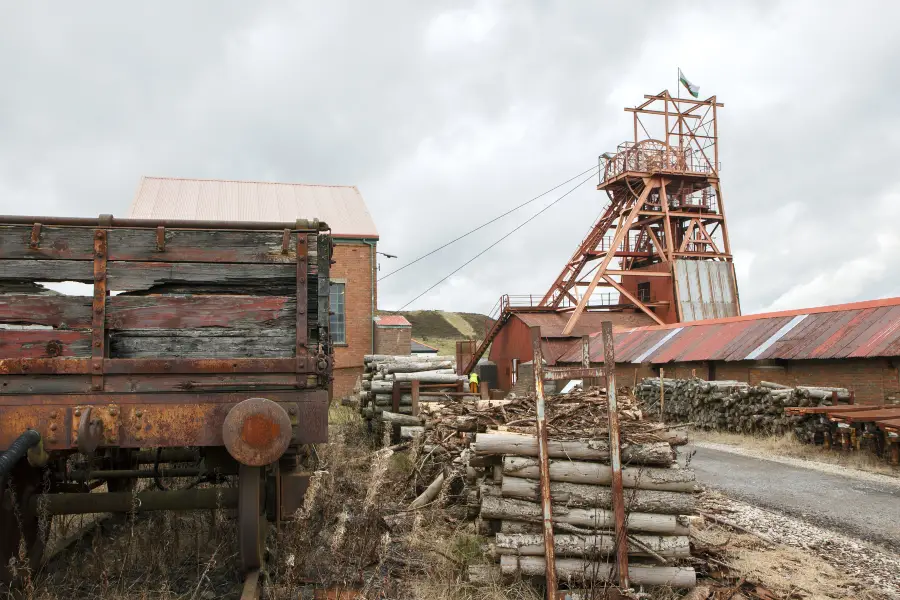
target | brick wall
x=354, y=267
x=392, y=340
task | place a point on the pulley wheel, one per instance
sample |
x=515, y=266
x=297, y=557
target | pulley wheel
x=251, y=518
x=22, y=535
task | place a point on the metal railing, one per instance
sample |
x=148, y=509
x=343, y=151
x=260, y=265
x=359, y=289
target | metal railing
x=650, y=156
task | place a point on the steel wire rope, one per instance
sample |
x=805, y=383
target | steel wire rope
x=483, y=225
x=518, y=227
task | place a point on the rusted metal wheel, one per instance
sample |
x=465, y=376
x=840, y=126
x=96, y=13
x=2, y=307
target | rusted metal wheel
x=22, y=533
x=251, y=517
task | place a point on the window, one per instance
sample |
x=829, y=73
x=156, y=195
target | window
x=643, y=292
x=338, y=316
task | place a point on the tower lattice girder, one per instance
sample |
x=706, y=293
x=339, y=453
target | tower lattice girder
x=665, y=207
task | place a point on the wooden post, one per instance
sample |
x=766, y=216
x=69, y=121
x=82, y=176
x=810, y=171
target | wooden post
x=615, y=459
x=415, y=397
x=395, y=397
x=544, y=460
x=662, y=395
x=485, y=391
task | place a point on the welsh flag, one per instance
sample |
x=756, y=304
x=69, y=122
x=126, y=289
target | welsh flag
x=693, y=89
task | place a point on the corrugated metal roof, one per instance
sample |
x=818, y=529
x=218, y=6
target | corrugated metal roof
x=392, y=321
x=341, y=206
x=857, y=330
x=553, y=323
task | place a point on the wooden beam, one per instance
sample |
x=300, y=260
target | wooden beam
x=620, y=234
x=634, y=300
x=638, y=273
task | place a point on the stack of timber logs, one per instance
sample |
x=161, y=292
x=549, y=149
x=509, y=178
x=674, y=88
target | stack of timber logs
x=385, y=372
x=503, y=478
x=737, y=406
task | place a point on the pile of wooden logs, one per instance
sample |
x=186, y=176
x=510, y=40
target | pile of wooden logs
x=736, y=406
x=504, y=480
x=385, y=372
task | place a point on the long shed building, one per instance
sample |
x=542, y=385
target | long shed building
x=856, y=346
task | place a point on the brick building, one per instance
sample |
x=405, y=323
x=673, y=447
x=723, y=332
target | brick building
x=353, y=276
x=855, y=346
x=393, y=335
x=512, y=344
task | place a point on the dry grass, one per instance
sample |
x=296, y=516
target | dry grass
x=785, y=571
x=788, y=446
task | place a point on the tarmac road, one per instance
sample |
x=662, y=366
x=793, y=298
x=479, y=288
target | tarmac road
x=869, y=510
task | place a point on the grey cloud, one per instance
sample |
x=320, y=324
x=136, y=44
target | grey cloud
x=446, y=114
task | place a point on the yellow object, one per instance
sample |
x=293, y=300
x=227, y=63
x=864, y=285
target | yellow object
x=473, y=377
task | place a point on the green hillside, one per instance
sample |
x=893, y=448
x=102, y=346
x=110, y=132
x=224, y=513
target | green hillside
x=442, y=329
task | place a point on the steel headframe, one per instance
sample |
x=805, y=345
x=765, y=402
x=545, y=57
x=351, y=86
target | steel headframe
x=665, y=204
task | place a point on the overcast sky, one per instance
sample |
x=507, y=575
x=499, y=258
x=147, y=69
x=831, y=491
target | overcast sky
x=445, y=114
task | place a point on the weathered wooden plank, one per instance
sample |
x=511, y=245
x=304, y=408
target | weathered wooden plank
x=177, y=312
x=47, y=270
x=181, y=245
x=53, y=243
x=64, y=312
x=215, y=246
x=44, y=343
x=133, y=276
x=199, y=343
x=127, y=276
x=145, y=384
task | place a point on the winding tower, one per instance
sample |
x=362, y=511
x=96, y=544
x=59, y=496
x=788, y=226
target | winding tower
x=661, y=244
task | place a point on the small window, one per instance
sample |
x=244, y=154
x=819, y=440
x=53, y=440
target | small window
x=643, y=292
x=338, y=316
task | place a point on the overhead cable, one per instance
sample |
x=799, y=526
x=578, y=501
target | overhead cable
x=518, y=227
x=483, y=225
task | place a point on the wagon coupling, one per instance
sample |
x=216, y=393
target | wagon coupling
x=256, y=432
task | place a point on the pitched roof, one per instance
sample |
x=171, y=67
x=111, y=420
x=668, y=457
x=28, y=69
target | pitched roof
x=392, y=321
x=857, y=330
x=553, y=323
x=341, y=206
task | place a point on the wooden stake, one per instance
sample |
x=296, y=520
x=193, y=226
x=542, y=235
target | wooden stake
x=544, y=458
x=615, y=459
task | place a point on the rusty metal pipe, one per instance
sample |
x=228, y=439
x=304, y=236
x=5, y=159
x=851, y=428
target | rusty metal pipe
x=133, y=474
x=168, y=223
x=126, y=502
x=17, y=451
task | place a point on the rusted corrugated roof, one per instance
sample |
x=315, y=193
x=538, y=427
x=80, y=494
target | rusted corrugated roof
x=857, y=330
x=553, y=323
x=341, y=206
x=392, y=321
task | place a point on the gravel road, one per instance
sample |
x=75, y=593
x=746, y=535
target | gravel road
x=867, y=508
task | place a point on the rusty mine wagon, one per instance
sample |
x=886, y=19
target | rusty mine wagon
x=203, y=354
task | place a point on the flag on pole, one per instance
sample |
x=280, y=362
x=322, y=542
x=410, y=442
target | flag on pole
x=693, y=89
